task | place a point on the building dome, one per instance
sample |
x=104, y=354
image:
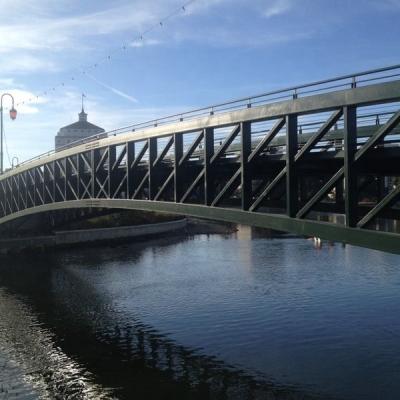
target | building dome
x=79, y=130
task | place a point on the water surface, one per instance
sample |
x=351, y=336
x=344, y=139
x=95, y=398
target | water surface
x=224, y=317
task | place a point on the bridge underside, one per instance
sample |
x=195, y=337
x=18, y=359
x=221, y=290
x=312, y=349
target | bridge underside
x=324, y=165
x=384, y=241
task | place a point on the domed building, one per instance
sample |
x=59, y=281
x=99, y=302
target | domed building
x=79, y=130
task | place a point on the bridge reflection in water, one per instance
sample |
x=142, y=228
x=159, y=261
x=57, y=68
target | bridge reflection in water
x=66, y=337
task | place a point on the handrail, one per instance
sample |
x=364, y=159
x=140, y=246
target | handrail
x=289, y=92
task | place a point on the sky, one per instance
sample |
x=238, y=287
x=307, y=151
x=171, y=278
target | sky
x=132, y=68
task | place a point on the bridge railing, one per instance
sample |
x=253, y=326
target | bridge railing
x=287, y=166
x=348, y=81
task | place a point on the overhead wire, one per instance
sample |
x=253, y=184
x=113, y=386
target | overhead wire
x=84, y=70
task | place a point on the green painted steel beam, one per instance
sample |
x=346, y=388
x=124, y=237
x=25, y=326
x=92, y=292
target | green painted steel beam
x=383, y=241
x=366, y=95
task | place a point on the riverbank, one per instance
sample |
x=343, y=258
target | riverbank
x=88, y=236
x=112, y=235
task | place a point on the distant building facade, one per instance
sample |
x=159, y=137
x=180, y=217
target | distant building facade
x=79, y=130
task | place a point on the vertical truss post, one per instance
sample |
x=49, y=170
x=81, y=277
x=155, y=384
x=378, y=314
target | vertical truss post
x=245, y=165
x=48, y=195
x=178, y=154
x=130, y=172
x=152, y=175
x=292, y=197
x=81, y=173
x=68, y=178
x=112, y=172
x=339, y=193
x=24, y=189
x=2, y=202
x=53, y=183
x=46, y=180
x=7, y=196
x=18, y=184
x=94, y=158
x=20, y=193
x=209, y=188
x=43, y=188
x=65, y=179
x=51, y=178
x=35, y=186
x=14, y=191
x=29, y=188
x=350, y=173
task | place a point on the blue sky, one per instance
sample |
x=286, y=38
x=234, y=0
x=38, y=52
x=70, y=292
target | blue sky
x=213, y=51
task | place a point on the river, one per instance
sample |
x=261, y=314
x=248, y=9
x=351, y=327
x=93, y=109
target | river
x=238, y=316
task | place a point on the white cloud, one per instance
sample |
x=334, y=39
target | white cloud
x=7, y=82
x=56, y=33
x=277, y=7
x=203, y=6
x=37, y=39
x=42, y=36
x=15, y=63
x=26, y=102
x=145, y=42
x=53, y=36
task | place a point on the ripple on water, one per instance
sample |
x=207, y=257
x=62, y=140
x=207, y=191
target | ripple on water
x=31, y=365
x=290, y=319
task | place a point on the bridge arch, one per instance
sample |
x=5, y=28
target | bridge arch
x=365, y=238
x=273, y=165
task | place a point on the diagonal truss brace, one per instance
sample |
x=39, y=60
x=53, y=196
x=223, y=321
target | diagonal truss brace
x=371, y=143
x=388, y=201
x=226, y=143
x=267, y=139
x=300, y=154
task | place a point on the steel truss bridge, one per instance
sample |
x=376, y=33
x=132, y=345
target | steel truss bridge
x=320, y=160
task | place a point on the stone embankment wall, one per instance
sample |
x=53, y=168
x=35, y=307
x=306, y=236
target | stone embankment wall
x=64, y=238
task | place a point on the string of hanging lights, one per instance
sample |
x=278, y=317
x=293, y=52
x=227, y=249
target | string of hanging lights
x=111, y=54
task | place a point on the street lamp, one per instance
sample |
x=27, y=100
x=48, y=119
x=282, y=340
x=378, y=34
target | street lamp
x=13, y=115
x=16, y=159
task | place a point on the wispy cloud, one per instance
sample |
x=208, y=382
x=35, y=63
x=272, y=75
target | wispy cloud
x=36, y=42
x=26, y=63
x=6, y=83
x=113, y=89
x=26, y=101
x=48, y=37
x=277, y=7
x=145, y=42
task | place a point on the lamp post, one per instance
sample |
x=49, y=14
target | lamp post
x=13, y=115
x=14, y=165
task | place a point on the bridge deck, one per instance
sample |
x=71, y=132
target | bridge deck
x=294, y=165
